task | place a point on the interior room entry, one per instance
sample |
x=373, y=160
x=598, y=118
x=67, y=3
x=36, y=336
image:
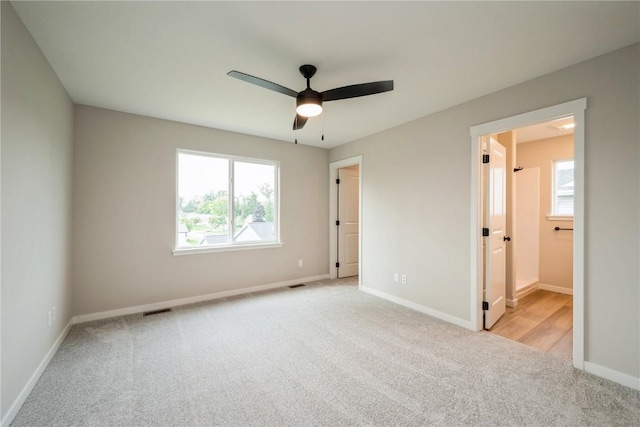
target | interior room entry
x=347, y=222
x=539, y=221
x=576, y=307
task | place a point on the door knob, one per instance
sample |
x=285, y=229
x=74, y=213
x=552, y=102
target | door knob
x=506, y=238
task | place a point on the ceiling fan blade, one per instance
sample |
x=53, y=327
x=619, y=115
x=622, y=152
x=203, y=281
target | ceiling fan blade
x=299, y=122
x=354, y=91
x=262, y=83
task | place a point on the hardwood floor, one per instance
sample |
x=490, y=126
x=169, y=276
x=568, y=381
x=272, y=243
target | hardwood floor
x=542, y=319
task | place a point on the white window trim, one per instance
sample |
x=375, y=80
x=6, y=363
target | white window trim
x=553, y=216
x=226, y=248
x=232, y=246
x=559, y=217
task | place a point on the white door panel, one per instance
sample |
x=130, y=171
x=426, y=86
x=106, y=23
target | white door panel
x=348, y=215
x=495, y=221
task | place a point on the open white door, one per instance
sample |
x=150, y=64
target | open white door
x=495, y=222
x=348, y=218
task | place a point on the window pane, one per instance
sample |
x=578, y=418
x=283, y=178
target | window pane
x=564, y=205
x=563, y=188
x=254, y=202
x=202, y=200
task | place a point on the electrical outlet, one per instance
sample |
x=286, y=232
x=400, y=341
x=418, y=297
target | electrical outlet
x=50, y=317
x=53, y=310
x=404, y=279
x=300, y=263
x=396, y=277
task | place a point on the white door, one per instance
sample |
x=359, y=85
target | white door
x=348, y=218
x=495, y=221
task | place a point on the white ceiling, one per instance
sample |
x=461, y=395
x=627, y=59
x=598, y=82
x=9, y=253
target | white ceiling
x=169, y=59
x=543, y=130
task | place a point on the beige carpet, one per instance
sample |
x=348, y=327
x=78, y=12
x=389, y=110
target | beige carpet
x=324, y=354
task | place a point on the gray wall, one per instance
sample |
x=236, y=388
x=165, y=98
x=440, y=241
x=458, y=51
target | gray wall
x=124, y=213
x=416, y=195
x=36, y=166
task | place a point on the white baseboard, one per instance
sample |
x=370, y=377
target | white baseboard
x=512, y=302
x=191, y=300
x=421, y=308
x=610, y=374
x=26, y=390
x=561, y=290
x=529, y=289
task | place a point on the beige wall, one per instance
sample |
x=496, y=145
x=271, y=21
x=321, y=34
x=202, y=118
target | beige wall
x=556, y=247
x=417, y=200
x=36, y=137
x=124, y=213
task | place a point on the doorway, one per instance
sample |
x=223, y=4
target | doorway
x=348, y=221
x=345, y=214
x=479, y=134
x=539, y=282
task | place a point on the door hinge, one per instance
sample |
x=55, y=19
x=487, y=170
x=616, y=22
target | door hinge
x=485, y=158
x=485, y=232
x=485, y=305
x=338, y=222
x=338, y=181
x=337, y=265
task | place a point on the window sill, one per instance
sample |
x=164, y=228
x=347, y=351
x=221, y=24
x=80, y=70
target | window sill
x=226, y=248
x=559, y=217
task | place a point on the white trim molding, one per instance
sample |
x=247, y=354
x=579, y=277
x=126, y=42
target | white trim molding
x=558, y=289
x=575, y=108
x=33, y=380
x=527, y=290
x=421, y=308
x=559, y=217
x=611, y=375
x=191, y=300
x=226, y=248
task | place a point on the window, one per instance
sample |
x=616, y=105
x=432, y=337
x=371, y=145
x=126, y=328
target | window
x=562, y=202
x=225, y=201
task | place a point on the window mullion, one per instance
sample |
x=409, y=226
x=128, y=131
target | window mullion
x=276, y=204
x=554, y=175
x=230, y=219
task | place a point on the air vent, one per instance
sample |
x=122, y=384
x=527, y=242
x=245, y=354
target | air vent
x=150, y=313
x=296, y=286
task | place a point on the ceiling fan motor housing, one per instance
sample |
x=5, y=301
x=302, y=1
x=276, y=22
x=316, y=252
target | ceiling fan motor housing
x=309, y=96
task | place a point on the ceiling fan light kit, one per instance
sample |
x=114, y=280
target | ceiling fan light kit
x=309, y=102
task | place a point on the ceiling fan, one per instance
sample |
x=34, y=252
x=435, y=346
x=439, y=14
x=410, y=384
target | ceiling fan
x=309, y=102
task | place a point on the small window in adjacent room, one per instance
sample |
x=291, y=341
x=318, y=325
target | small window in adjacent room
x=562, y=194
x=225, y=202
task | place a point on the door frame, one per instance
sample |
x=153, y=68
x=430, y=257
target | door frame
x=573, y=108
x=333, y=214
